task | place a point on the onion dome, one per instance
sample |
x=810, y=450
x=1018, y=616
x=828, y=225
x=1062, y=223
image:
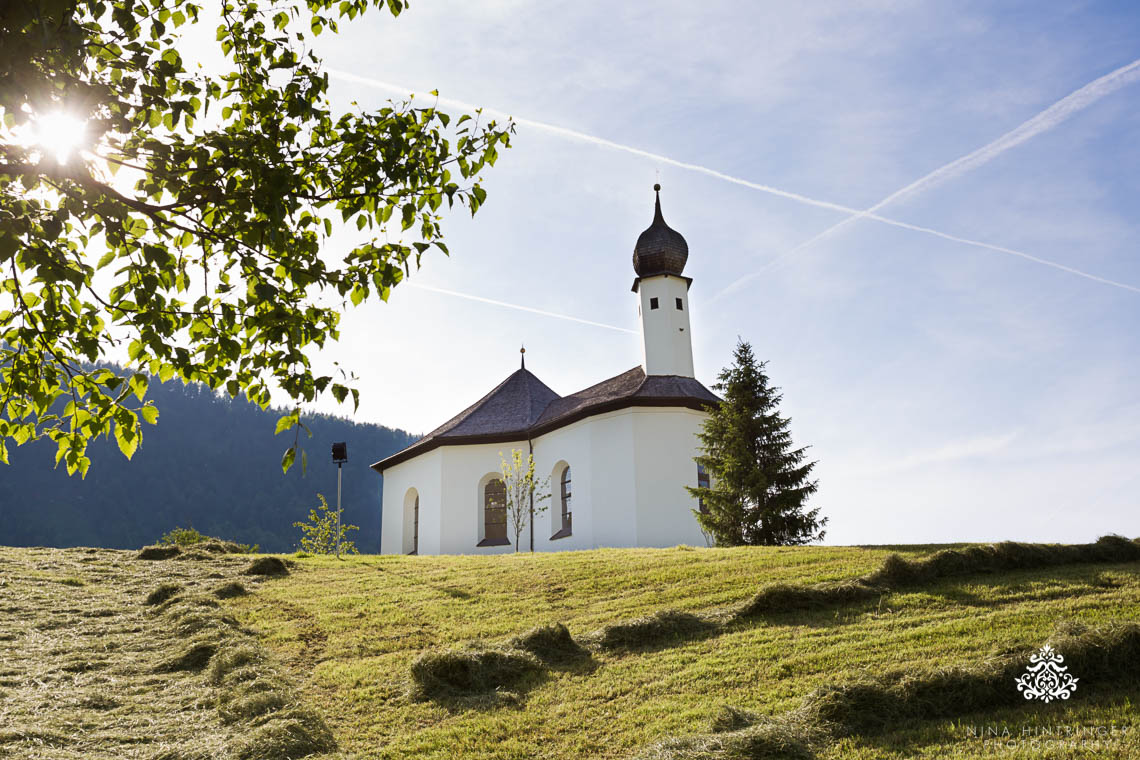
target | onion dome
x=660, y=249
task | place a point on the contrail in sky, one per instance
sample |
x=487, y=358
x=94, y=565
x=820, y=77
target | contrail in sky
x=493, y=302
x=583, y=137
x=1064, y=108
x=1042, y=122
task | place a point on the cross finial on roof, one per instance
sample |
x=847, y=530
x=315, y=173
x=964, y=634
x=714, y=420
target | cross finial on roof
x=522, y=353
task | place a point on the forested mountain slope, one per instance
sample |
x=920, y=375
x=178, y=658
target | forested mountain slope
x=211, y=463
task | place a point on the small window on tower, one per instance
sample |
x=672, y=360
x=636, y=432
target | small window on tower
x=680, y=307
x=653, y=303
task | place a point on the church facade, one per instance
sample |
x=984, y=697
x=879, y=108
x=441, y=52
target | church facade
x=618, y=454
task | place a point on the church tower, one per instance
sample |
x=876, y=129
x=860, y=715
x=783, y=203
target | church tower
x=659, y=259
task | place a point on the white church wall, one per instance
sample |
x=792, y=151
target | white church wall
x=665, y=442
x=628, y=472
x=462, y=497
x=425, y=474
x=569, y=445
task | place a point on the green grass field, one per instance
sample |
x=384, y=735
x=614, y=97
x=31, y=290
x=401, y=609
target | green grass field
x=203, y=656
x=349, y=630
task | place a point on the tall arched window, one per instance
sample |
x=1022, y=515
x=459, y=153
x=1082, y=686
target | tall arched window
x=411, y=543
x=702, y=482
x=494, y=514
x=566, y=493
x=416, y=526
x=562, y=524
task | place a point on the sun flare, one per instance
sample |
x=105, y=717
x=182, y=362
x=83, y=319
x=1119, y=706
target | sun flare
x=58, y=133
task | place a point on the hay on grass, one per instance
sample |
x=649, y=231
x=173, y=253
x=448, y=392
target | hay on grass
x=764, y=740
x=230, y=590
x=232, y=658
x=158, y=552
x=654, y=630
x=1108, y=655
x=550, y=643
x=730, y=718
x=273, y=566
x=287, y=734
x=253, y=705
x=470, y=672
x=162, y=593
x=194, y=658
x=897, y=572
x=221, y=547
x=786, y=597
x=1100, y=655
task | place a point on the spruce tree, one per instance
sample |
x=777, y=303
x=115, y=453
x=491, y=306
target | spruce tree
x=759, y=484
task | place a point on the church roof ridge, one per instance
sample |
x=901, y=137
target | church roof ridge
x=523, y=407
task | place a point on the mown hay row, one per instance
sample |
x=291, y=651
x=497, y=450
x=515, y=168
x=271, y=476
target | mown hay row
x=247, y=688
x=1104, y=657
x=898, y=572
x=459, y=673
x=474, y=671
x=662, y=628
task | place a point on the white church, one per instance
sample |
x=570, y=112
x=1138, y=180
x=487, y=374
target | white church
x=618, y=454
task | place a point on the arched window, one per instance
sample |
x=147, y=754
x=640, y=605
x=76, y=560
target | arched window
x=566, y=493
x=494, y=514
x=412, y=522
x=416, y=526
x=702, y=482
x=563, y=526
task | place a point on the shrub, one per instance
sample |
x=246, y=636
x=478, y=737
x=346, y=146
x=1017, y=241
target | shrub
x=319, y=534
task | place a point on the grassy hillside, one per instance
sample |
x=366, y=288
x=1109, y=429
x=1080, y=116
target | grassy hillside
x=350, y=631
x=205, y=654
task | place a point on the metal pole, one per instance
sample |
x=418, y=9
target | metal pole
x=338, y=471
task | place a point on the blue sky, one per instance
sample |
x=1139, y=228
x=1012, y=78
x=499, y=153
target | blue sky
x=948, y=391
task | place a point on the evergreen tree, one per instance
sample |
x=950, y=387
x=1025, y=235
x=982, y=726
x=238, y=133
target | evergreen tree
x=759, y=484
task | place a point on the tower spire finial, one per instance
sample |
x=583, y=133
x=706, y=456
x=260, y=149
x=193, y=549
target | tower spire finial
x=522, y=355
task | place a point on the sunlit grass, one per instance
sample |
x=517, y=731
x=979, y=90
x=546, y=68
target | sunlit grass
x=351, y=629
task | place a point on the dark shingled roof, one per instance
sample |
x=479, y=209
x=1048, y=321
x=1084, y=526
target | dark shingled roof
x=522, y=406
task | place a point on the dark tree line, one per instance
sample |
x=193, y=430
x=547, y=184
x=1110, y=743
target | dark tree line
x=212, y=463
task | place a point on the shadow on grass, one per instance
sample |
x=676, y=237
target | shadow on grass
x=874, y=711
x=991, y=730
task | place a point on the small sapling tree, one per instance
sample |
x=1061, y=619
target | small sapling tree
x=525, y=492
x=318, y=533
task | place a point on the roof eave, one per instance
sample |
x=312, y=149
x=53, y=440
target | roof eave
x=637, y=280
x=682, y=402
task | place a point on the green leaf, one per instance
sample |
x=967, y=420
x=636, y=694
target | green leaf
x=287, y=459
x=286, y=422
x=149, y=413
x=139, y=383
x=128, y=439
